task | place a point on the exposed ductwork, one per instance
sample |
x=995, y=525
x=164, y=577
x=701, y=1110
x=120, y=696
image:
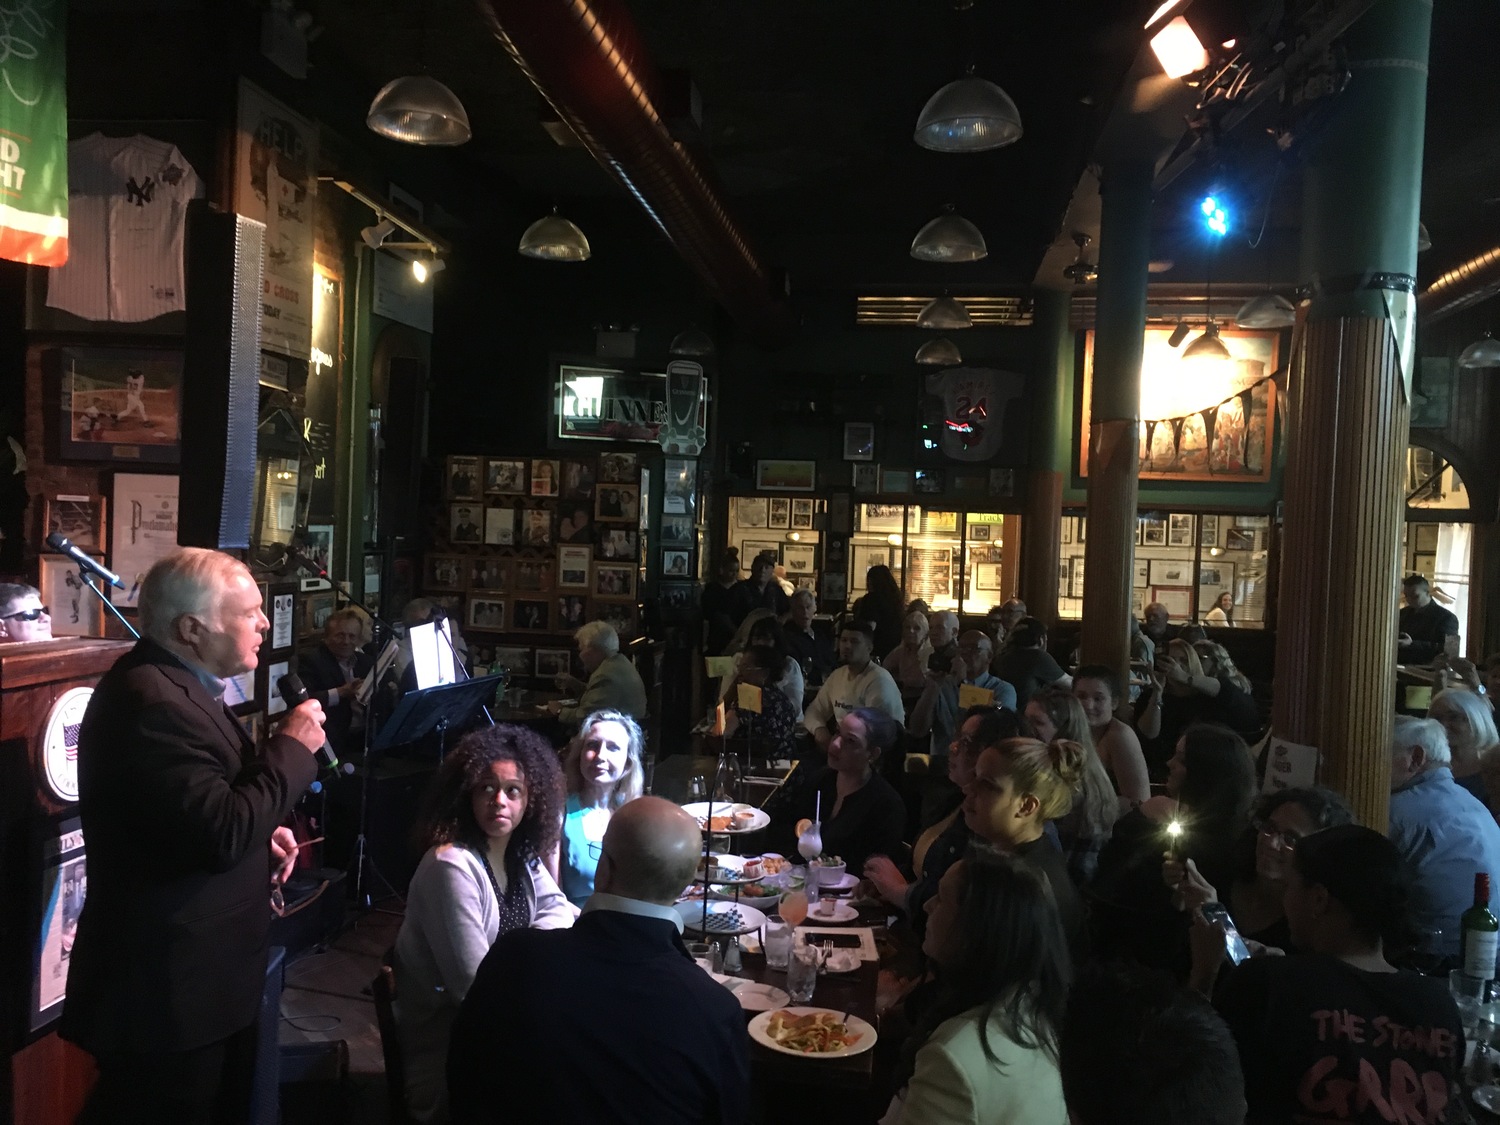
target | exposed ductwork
x=586, y=58
x=1466, y=284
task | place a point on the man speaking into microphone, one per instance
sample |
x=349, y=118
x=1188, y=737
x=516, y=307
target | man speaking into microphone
x=181, y=819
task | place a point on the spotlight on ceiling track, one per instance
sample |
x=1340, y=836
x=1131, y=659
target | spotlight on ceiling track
x=375, y=237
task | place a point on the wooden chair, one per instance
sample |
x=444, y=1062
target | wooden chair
x=384, y=989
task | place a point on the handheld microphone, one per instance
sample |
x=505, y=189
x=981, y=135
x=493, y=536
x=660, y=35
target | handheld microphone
x=295, y=692
x=66, y=546
x=305, y=563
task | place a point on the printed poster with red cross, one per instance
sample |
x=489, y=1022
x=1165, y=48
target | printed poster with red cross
x=33, y=134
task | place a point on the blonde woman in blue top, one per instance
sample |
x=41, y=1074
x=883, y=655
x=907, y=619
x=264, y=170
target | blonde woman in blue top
x=603, y=770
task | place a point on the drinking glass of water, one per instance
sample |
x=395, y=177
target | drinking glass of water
x=802, y=972
x=778, y=944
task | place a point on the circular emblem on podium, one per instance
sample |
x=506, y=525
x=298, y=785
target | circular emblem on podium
x=60, y=742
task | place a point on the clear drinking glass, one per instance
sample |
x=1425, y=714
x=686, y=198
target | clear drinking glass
x=777, y=944
x=802, y=972
x=1469, y=994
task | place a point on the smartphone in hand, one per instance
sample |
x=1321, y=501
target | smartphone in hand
x=1234, y=945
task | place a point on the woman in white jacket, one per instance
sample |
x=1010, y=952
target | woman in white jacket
x=494, y=809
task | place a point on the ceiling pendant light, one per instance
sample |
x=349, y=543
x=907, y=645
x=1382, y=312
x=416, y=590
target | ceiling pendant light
x=419, y=111
x=1207, y=346
x=691, y=342
x=1483, y=352
x=968, y=115
x=553, y=238
x=949, y=238
x=1424, y=240
x=941, y=352
x=944, y=313
x=1269, y=310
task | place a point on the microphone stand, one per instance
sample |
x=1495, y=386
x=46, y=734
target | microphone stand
x=83, y=576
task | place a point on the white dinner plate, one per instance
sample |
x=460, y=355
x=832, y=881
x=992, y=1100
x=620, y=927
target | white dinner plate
x=856, y=1026
x=763, y=901
x=755, y=997
x=840, y=960
x=723, y=918
x=842, y=914
x=699, y=810
x=731, y=869
x=845, y=882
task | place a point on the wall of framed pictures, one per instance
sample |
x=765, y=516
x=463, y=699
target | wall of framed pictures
x=789, y=527
x=958, y=560
x=1185, y=561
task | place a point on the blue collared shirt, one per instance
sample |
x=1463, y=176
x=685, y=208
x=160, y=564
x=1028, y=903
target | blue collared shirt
x=946, y=712
x=1447, y=836
x=215, y=686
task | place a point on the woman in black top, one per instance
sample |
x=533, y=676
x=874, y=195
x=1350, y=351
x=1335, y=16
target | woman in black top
x=863, y=815
x=881, y=606
x=1185, y=691
x=717, y=604
x=1336, y=1033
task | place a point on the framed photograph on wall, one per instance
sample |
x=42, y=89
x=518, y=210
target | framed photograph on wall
x=1142, y=574
x=799, y=558
x=536, y=527
x=79, y=518
x=465, y=478
x=1065, y=533
x=490, y=575
x=531, y=616
x=505, y=477
x=617, y=468
x=553, y=662
x=1208, y=531
x=532, y=576
x=1075, y=576
x=881, y=518
x=144, y=528
x=546, y=477
x=859, y=441
x=486, y=613
x=117, y=404
x=865, y=558
x=779, y=513
x=573, y=567
x=463, y=523
x=1239, y=539
x=617, y=503
x=895, y=481
x=578, y=479
x=500, y=527
x=752, y=511
x=1171, y=572
x=1153, y=531
x=679, y=486
x=1178, y=602
x=749, y=548
x=1179, y=531
x=674, y=564
x=75, y=612
x=987, y=576
x=866, y=479
x=802, y=515
x=618, y=544
x=1214, y=576
x=614, y=580
x=572, y=612
x=623, y=616
x=677, y=531
x=515, y=660
x=786, y=476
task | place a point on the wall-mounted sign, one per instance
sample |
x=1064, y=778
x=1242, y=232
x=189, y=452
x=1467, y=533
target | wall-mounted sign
x=603, y=404
x=974, y=400
x=60, y=742
x=686, y=386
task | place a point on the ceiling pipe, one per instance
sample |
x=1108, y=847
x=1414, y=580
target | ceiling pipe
x=586, y=58
x=1464, y=285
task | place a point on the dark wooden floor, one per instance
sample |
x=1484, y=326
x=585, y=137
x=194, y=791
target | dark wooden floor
x=327, y=998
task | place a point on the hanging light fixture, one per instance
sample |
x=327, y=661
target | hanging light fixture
x=949, y=238
x=1424, y=240
x=419, y=110
x=968, y=115
x=1207, y=346
x=691, y=342
x=944, y=313
x=941, y=352
x=1269, y=310
x=554, y=239
x=1483, y=352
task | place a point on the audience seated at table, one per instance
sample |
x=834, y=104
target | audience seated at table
x=942, y=844
x=491, y=815
x=1024, y=662
x=811, y=649
x=1083, y=831
x=602, y=768
x=1443, y=833
x=1101, y=692
x=772, y=720
x=1210, y=787
x=938, y=713
x=609, y=1021
x=942, y=635
x=1335, y=1033
x=858, y=682
x=1473, y=742
x=1019, y=785
x=907, y=662
x=1140, y=1049
x=759, y=591
x=761, y=628
x=985, y=1048
x=613, y=683
x=862, y=814
x=1263, y=860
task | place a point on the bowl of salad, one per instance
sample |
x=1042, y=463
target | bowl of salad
x=829, y=869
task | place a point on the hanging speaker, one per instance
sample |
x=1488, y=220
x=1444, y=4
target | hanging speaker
x=221, y=379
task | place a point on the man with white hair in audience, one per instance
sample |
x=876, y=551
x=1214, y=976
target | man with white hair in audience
x=613, y=683
x=942, y=635
x=1443, y=831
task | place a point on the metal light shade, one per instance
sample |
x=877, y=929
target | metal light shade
x=420, y=111
x=949, y=238
x=1483, y=352
x=692, y=342
x=1207, y=346
x=1424, y=240
x=944, y=312
x=553, y=239
x=969, y=115
x=941, y=352
x=1269, y=310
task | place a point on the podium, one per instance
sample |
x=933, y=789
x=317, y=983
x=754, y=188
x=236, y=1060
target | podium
x=44, y=690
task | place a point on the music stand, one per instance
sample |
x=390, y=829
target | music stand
x=440, y=709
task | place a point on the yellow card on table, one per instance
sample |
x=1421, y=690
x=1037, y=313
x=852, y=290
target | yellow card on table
x=717, y=667
x=972, y=695
x=749, y=698
x=718, y=718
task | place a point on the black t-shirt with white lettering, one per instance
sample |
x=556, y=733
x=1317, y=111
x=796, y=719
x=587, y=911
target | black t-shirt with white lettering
x=1323, y=1042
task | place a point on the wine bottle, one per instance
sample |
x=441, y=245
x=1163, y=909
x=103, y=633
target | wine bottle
x=1479, y=932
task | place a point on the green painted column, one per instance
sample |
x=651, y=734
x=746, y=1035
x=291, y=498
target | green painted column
x=1040, y=547
x=1348, y=412
x=1114, y=416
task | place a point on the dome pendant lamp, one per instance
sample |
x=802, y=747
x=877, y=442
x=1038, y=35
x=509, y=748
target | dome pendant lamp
x=553, y=238
x=949, y=238
x=944, y=313
x=941, y=352
x=968, y=115
x=419, y=111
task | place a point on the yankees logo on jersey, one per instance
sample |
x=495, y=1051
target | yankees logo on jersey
x=127, y=203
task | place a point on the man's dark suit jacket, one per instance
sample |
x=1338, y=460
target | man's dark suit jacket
x=609, y=1021
x=320, y=671
x=177, y=815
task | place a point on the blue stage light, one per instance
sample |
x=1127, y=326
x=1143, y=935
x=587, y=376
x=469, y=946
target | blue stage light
x=1215, y=215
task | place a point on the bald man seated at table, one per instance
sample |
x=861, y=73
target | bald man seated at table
x=610, y=1021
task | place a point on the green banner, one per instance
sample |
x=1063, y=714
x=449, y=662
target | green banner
x=34, y=133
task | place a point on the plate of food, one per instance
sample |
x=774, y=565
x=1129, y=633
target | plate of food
x=731, y=869
x=764, y=895
x=830, y=911
x=727, y=818
x=723, y=918
x=840, y=960
x=812, y=1033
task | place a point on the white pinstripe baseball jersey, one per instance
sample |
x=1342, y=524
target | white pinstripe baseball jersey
x=127, y=209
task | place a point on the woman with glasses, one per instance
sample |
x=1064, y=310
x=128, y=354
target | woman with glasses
x=603, y=770
x=491, y=815
x=940, y=846
x=1254, y=898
